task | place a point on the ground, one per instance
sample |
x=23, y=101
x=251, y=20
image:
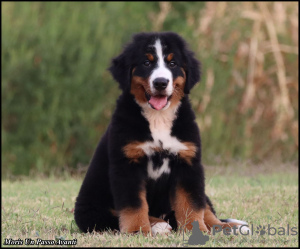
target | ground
x=264, y=195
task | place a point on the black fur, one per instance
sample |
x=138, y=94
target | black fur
x=131, y=57
x=112, y=182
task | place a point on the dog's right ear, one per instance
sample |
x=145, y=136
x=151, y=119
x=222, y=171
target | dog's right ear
x=121, y=69
x=192, y=71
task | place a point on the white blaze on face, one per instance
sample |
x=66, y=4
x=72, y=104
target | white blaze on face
x=161, y=71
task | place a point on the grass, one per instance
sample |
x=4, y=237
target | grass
x=260, y=194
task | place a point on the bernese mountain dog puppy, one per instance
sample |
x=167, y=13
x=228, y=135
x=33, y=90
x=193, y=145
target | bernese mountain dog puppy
x=146, y=173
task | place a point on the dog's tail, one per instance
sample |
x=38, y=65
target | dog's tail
x=210, y=219
x=234, y=220
x=243, y=227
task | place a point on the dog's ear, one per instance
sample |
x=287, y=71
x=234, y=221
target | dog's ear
x=121, y=68
x=192, y=70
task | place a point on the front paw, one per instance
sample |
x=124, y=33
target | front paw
x=133, y=221
x=136, y=228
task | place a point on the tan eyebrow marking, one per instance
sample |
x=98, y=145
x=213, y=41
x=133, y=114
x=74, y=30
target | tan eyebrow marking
x=170, y=57
x=150, y=57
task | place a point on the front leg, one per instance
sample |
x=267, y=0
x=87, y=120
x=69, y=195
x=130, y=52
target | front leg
x=134, y=219
x=187, y=211
x=188, y=198
x=128, y=176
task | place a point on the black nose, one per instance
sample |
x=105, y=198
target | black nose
x=160, y=83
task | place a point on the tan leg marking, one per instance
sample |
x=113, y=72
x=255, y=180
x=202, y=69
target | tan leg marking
x=189, y=153
x=133, y=220
x=185, y=213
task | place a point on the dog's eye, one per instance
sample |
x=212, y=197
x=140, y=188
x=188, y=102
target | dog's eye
x=147, y=63
x=172, y=64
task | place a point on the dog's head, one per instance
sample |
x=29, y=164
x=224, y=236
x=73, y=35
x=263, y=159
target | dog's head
x=157, y=68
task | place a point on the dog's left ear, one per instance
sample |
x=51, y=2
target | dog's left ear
x=121, y=69
x=192, y=70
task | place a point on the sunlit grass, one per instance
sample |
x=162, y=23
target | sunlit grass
x=42, y=208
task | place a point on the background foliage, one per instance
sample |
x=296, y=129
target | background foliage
x=58, y=97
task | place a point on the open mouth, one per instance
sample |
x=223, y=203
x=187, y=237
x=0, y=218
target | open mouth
x=157, y=102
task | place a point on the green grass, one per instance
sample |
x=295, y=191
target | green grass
x=260, y=194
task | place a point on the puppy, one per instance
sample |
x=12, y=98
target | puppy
x=146, y=173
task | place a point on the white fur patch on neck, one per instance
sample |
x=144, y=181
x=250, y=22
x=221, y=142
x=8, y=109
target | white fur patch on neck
x=160, y=124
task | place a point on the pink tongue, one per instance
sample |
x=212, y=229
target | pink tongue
x=158, y=102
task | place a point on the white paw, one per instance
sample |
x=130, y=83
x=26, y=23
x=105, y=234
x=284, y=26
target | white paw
x=161, y=228
x=244, y=230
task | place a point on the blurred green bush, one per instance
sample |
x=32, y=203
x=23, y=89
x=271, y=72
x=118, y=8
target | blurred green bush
x=58, y=97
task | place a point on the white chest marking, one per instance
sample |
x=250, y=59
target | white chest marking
x=160, y=124
x=156, y=173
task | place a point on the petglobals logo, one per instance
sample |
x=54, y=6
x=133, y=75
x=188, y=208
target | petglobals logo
x=198, y=238
x=260, y=230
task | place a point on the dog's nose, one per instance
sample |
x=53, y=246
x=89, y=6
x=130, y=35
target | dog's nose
x=160, y=83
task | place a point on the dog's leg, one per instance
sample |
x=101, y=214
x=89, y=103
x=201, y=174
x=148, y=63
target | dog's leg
x=158, y=226
x=128, y=186
x=135, y=219
x=186, y=212
x=188, y=198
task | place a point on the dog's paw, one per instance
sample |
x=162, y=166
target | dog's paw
x=161, y=228
x=244, y=230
